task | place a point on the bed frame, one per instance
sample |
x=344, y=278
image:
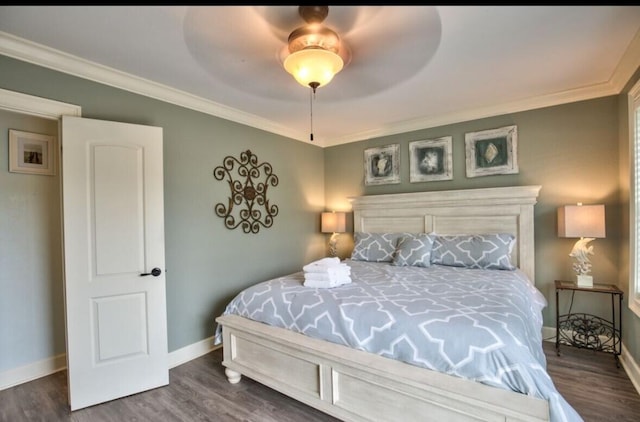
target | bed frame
x=354, y=385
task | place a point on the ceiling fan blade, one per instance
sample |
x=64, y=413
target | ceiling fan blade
x=249, y=43
x=245, y=49
x=387, y=50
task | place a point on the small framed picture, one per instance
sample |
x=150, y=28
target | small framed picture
x=493, y=151
x=32, y=153
x=382, y=165
x=431, y=160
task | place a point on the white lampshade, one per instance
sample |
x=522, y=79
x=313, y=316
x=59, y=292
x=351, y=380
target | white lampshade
x=587, y=223
x=334, y=222
x=581, y=221
x=313, y=65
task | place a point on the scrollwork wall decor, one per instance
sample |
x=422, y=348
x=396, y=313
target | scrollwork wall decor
x=249, y=189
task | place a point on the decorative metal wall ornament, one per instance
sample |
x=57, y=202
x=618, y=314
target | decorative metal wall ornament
x=247, y=190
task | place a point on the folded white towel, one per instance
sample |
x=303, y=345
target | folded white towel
x=333, y=271
x=330, y=277
x=333, y=278
x=325, y=284
x=320, y=284
x=320, y=267
x=328, y=261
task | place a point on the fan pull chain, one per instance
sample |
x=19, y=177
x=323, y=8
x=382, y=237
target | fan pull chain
x=312, y=96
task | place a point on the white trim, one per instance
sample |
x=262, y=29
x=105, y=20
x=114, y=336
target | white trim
x=631, y=367
x=192, y=351
x=40, y=55
x=628, y=65
x=53, y=110
x=51, y=365
x=36, y=106
x=633, y=101
x=32, y=371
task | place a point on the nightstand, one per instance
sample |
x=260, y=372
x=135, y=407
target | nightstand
x=586, y=330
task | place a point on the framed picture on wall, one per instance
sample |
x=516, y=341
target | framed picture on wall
x=431, y=160
x=493, y=151
x=382, y=165
x=32, y=153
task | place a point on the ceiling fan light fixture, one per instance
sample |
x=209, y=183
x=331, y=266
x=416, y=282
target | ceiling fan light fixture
x=316, y=53
x=313, y=65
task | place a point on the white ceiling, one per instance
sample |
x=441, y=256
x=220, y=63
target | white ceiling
x=413, y=67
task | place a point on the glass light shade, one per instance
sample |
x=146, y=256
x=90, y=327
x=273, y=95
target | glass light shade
x=313, y=65
x=333, y=222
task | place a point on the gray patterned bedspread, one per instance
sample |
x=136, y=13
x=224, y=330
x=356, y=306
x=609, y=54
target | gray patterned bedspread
x=483, y=325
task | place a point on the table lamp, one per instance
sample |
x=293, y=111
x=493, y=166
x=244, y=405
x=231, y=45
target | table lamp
x=335, y=223
x=587, y=223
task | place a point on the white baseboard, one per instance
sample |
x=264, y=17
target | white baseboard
x=190, y=352
x=48, y=366
x=32, y=371
x=631, y=368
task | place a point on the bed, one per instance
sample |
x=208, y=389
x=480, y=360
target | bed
x=345, y=376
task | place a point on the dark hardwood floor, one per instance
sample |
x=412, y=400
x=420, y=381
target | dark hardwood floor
x=199, y=391
x=592, y=384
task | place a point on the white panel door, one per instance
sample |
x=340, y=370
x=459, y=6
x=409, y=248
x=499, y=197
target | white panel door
x=115, y=303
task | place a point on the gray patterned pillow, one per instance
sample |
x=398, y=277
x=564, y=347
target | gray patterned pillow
x=414, y=251
x=482, y=251
x=375, y=247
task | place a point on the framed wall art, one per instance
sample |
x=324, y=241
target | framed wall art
x=493, y=151
x=431, y=160
x=32, y=153
x=382, y=165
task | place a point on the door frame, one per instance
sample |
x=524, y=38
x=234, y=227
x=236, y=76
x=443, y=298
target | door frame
x=36, y=106
x=20, y=103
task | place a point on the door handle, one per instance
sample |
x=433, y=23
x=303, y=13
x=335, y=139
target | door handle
x=155, y=272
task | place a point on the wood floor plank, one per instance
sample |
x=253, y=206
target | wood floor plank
x=199, y=391
x=592, y=384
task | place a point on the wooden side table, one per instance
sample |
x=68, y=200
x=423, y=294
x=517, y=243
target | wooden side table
x=589, y=331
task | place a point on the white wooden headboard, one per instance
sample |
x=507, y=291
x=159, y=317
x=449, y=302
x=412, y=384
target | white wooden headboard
x=466, y=211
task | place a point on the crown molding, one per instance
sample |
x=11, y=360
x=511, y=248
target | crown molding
x=21, y=49
x=628, y=65
x=623, y=72
x=580, y=94
x=40, y=55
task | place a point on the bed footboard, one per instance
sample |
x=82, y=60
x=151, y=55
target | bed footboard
x=354, y=385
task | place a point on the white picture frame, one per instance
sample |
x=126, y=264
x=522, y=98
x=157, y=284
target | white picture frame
x=32, y=153
x=382, y=165
x=431, y=160
x=493, y=151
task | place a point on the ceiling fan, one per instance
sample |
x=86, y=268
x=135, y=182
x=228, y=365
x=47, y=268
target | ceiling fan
x=385, y=45
x=315, y=53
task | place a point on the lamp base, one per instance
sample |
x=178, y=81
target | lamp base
x=333, y=245
x=584, y=280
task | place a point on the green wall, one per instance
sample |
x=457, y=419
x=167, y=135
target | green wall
x=31, y=297
x=207, y=264
x=570, y=150
x=576, y=152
